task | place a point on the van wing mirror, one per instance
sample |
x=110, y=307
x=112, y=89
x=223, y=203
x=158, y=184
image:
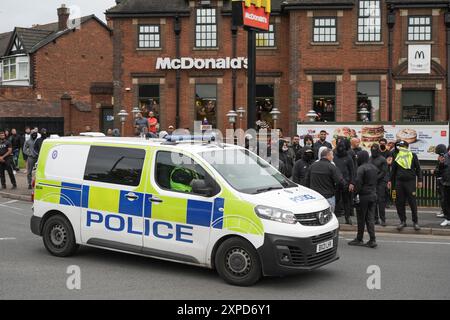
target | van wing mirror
x=201, y=187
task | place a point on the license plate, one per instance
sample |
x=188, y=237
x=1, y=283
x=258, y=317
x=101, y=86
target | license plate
x=324, y=246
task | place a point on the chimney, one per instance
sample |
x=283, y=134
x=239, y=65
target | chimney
x=63, y=17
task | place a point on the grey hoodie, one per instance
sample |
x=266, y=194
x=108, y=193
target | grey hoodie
x=28, y=148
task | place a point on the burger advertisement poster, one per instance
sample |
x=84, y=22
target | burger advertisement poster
x=422, y=139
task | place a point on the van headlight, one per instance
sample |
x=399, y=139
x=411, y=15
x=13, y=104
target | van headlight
x=275, y=214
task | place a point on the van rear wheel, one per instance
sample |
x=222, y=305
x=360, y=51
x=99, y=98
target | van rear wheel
x=237, y=262
x=58, y=236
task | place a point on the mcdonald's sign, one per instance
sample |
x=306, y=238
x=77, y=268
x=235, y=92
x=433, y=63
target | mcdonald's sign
x=252, y=13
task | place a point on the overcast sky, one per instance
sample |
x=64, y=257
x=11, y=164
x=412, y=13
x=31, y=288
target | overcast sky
x=25, y=13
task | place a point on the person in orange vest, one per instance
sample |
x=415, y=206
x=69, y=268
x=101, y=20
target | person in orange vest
x=152, y=123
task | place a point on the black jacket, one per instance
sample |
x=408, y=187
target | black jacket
x=443, y=170
x=323, y=177
x=299, y=172
x=346, y=166
x=287, y=160
x=382, y=166
x=400, y=174
x=366, y=180
x=296, y=151
x=15, y=141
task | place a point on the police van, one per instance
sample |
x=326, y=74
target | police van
x=201, y=203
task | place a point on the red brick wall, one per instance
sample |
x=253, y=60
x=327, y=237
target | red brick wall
x=69, y=65
x=136, y=61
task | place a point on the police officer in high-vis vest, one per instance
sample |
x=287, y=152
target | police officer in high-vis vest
x=181, y=178
x=405, y=171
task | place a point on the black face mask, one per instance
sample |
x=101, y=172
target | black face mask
x=341, y=151
x=382, y=147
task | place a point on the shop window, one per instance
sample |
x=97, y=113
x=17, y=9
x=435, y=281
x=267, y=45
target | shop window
x=324, y=30
x=149, y=99
x=266, y=39
x=368, y=96
x=206, y=104
x=324, y=97
x=418, y=106
x=264, y=104
x=369, y=21
x=419, y=28
x=149, y=36
x=206, y=28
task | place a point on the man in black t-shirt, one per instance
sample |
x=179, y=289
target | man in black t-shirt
x=6, y=161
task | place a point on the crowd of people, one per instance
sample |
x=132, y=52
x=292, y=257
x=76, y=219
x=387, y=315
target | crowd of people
x=11, y=145
x=352, y=179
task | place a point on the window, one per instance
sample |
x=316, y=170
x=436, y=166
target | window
x=418, y=106
x=149, y=36
x=176, y=171
x=9, y=69
x=419, y=28
x=369, y=97
x=324, y=30
x=264, y=103
x=206, y=104
x=15, y=69
x=121, y=166
x=206, y=28
x=149, y=99
x=246, y=172
x=266, y=39
x=324, y=97
x=369, y=21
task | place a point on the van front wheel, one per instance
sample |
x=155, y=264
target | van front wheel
x=237, y=262
x=58, y=237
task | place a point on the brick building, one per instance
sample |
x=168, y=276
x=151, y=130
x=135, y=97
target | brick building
x=333, y=56
x=57, y=75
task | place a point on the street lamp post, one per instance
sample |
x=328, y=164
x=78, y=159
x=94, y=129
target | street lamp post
x=311, y=115
x=232, y=115
x=135, y=112
x=275, y=116
x=364, y=113
x=240, y=111
x=123, y=118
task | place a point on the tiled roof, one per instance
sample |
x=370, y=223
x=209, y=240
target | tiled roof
x=38, y=36
x=4, y=41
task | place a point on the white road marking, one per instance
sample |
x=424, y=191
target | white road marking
x=3, y=239
x=408, y=242
x=10, y=207
x=9, y=202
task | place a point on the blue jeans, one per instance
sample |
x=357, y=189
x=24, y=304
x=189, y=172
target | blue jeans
x=332, y=202
x=15, y=155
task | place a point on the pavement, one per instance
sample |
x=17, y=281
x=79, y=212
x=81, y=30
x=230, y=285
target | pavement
x=428, y=221
x=409, y=267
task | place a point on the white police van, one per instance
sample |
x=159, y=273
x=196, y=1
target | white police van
x=208, y=204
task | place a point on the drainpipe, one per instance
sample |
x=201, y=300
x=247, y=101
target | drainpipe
x=177, y=30
x=391, y=24
x=447, y=25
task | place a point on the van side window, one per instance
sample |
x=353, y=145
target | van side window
x=115, y=165
x=175, y=172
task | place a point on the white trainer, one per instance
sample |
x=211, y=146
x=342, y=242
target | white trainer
x=440, y=215
x=445, y=223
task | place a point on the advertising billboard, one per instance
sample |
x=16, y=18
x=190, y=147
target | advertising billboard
x=422, y=138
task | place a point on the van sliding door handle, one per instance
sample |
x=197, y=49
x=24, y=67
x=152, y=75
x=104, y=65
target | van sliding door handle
x=131, y=196
x=156, y=200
